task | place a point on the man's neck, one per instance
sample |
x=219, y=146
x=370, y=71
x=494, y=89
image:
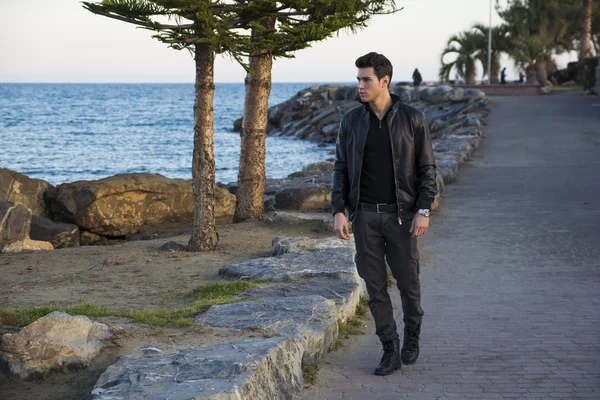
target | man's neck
x=381, y=104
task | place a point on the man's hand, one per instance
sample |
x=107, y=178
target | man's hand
x=340, y=224
x=419, y=225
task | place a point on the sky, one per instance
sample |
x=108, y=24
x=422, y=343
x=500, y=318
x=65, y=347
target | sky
x=59, y=41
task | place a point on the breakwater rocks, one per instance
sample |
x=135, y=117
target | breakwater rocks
x=315, y=113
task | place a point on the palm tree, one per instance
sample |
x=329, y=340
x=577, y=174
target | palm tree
x=586, y=30
x=500, y=44
x=537, y=29
x=467, y=48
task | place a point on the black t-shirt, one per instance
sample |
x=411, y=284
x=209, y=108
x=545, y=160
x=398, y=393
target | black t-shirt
x=377, y=175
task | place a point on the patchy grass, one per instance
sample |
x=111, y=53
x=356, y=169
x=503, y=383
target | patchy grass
x=362, y=309
x=565, y=89
x=353, y=325
x=201, y=297
x=390, y=279
x=310, y=373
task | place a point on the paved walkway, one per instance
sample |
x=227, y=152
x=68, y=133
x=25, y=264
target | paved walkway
x=510, y=270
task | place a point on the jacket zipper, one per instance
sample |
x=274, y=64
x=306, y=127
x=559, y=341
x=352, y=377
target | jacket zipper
x=361, y=163
x=394, y=166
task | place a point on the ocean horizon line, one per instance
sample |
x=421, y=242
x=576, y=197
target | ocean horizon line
x=161, y=83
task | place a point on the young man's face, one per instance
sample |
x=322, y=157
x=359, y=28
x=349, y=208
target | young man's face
x=369, y=87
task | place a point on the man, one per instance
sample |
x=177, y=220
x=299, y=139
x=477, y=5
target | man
x=384, y=175
x=417, y=80
x=503, y=76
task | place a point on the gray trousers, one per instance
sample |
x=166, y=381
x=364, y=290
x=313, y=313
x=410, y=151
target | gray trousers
x=379, y=237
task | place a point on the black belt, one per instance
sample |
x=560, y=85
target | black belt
x=381, y=208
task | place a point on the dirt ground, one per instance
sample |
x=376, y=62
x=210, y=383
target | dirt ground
x=128, y=275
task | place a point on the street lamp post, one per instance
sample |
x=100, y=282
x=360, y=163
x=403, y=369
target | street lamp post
x=489, y=60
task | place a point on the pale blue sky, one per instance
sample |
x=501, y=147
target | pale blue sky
x=59, y=41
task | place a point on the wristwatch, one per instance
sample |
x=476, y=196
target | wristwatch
x=424, y=212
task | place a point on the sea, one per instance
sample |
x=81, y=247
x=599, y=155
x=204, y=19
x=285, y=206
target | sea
x=69, y=132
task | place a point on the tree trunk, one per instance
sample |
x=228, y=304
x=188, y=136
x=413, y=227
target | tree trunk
x=530, y=73
x=252, y=174
x=470, y=73
x=495, y=73
x=586, y=31
x=204, y=234
x=540, y=73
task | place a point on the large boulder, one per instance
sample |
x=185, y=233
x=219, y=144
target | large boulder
x=61, y=235
x=308, y=193
x=15, y=223
x=56, y=342
x=119, y=205
x=19, y=188
x=15, y=220
x=440, y=94
x=243, y=370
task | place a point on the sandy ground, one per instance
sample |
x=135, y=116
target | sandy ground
x=128, y=275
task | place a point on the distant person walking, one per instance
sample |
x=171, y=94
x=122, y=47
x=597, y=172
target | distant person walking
x=417, y=80
x=503, y=76
x=521, y=77
x=384, y=176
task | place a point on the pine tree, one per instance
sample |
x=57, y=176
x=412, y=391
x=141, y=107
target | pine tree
x=204, y=27
x=279, y=28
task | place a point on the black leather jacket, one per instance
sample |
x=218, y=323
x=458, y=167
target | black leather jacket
x=414, y=164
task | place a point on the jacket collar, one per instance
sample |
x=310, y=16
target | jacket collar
x=395, y=101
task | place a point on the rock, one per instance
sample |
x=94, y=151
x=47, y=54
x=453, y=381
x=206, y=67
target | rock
x=471, y=94
x=121, y=204
x=435, y=206
x=404, y=93
x=323, y=166
x=306, y=193
x=15, y=220
x=335, y=263
x=243, y=370
x=26, y=245
x=280, y=247
x=312, y=320
x=330, y=130
x=457, y=95
x=290, y=245
x=86, y=238
x=61, y=235
x=56, y=342
x=344, y=294
x=439, y=180
x=425, y=93
x=171, y=246
x=547, y=89
x=440, y=94
x=323, y=220
x=18, y=188
x=468, y=131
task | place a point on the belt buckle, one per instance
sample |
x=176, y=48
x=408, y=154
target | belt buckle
x=380, y=204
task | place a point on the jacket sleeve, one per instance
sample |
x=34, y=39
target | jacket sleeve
x=425, y=161
x=340, y=184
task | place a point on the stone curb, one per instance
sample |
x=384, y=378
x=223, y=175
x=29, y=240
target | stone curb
x=322, y=287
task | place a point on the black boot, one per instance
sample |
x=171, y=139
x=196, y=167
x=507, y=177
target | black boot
x=391, y=358
x=410, y=347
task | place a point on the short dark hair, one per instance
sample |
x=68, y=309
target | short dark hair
x=381, y=65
